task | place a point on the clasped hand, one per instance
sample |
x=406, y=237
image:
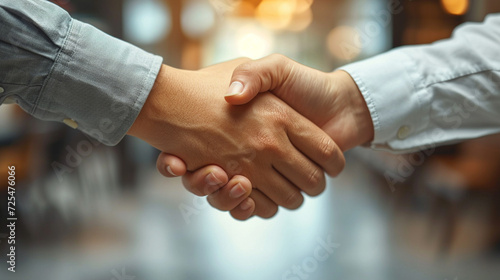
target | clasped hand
x=271, y=152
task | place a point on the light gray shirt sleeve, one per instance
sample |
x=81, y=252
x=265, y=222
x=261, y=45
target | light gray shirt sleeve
x=424, y=96
x=59, y=69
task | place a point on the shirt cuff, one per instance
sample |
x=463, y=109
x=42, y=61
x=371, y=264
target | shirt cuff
x=97, y=83
x=389, y=85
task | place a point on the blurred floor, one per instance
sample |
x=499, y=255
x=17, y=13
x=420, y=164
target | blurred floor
x=352, y=231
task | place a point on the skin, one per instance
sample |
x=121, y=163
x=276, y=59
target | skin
x=330, y=100
x=274, y=149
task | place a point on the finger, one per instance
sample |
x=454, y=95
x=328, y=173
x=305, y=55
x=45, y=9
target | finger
x=316, y=145
x=232, y=194
x=261, y=75
x=205, y=180
x=245, y=210
x=264, y=207
x=283, y=193
x=170, y=166
x=300, y=171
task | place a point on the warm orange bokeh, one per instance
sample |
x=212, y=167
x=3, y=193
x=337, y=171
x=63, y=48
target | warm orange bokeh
x=455, y=7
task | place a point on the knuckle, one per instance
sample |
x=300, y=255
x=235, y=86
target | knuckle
x=193, y=188
x=216, y=202
x=239, y=216
x=317, y=191
x=283, y=115
x=277, y=57
x=318, y=188
x=274, y=109
x=268, y=212
x=339, y=166
x=244, y=68
x=243, y=59
x=293, y=200
x=328, y=149
x=266, y=142
x=316, y=179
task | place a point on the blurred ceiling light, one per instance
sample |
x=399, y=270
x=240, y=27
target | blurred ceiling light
x=254, y=42
x=197, y=18
x=275, y=14
x=300, y=21
x=455, y=7
x=146, y=21
x=244, y=9
x=222, y=7
x=302, y=5
x=344, y=43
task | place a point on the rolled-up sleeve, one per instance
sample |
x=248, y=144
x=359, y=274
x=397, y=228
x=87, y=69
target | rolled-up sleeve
x=429, y=95
x=60, y=69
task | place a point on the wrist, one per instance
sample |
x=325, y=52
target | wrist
x=355, y=111
x=155, y=104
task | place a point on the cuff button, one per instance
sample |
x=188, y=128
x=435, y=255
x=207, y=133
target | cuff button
x=403, y=132
x=71, y=123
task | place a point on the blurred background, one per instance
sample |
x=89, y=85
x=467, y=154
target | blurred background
x=87, y=211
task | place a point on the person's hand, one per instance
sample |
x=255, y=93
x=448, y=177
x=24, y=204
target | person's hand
x=213, y=182
x=331, y=100
x=276, y=148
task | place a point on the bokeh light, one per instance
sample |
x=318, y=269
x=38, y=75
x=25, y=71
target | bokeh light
x=275, y=14
x=293, y=15
x=244, y=9
x=301, y=20
x=455, y=7
x=146, y=22
x=302, y=5
x=224, y=7
x=197, y=18
x=344, y=43
x=254, y=42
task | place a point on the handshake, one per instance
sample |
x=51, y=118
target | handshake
x=280, y=127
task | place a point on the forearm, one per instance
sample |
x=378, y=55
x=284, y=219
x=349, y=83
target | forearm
x=61, y=69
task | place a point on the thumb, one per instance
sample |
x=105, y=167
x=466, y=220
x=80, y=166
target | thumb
x=170, y=165
x=241, y=92
x=261, y=75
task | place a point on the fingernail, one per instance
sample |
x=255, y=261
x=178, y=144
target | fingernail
x=245, y=205
x=169, y=170
x=237, y=191
x=211, y=180
x=235, y=89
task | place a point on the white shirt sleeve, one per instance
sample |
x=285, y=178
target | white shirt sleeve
x=424, y=96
